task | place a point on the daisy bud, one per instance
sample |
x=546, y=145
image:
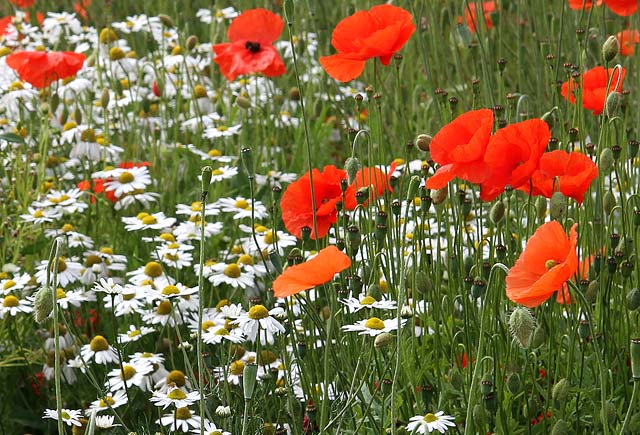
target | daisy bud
x=247, y=161
x=206, y=178
x=249, y=376
x=558, y=206
x=383, y=340
x=43, y=303
x=635, y=358
x=633, y=299
x=610, y=48
x=522, y=325
x=561, y=428
x=352, y=166
x=497, y=212
x=439, y=196
x=560, y=391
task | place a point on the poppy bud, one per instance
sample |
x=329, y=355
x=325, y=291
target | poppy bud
x=43, y=303
x=633, y=299
x=610, y=48
x=605, y=163
x=423, y=141
x=479, y=415
x=243, y=102
x=635, y=358
x=352, y=166
x=539, y=337
x=382, y=340
x=247, y=161
x=592, y=291
x=584, y=329
x=522, y=325
x=166, y=20
x=541, y=207
x=608, y=202
x=497, y=212
x=550, y=119
x=514, y=384
x=206, y=172
x=191, y=42
x=558, y=206
x=439, y=196
x=612, y=103
x=609, y=412
x=249, y=376
x=414, y=182
x=423, y=282
x=560, y=391
x=561, y=428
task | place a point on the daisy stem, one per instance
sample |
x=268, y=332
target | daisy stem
x=631, y=403
x=117, y=343
x=54, y=255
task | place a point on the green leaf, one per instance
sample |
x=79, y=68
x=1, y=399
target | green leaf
x=12, y=137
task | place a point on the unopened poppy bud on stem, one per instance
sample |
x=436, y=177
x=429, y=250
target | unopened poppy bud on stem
x=43, y=304
x=249, y=376
x=352, y=166
x=414, y=183
x=635, y=358
x=610, y=48
x=558, y=206
x=206, y=178
x=247, y=161
x=522, y=325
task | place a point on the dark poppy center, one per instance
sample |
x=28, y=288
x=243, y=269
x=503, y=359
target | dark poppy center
x=253, y=47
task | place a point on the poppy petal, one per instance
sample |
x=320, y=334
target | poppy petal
x=341, y=67
x=257, y=25
x=317, y=271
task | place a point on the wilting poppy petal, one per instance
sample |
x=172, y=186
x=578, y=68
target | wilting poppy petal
x=41, y=68
x=317, y=271
x=547, y=262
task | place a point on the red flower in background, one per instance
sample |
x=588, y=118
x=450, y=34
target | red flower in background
x=23, y=4
x=628, y=40
x=512, y=155
x=459, y=148
x=317, y=271
x=297, y=207
x=251, y=49
x=81, y=6
x=375, y=178
x=379, y=32
x=594, y=87
x=547, y=262
x=42, y=68
x=97, y=186
x=569, y=173
x=4, y=24
x=488, y=7
x=580, y=4
x=622, y=7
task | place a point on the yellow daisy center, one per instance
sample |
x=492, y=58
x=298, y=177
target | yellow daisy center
x=164, y=308
x=99, y=343
x=183, y=414
x=236, y=368
x=10, y=301
x=374, y=323
x=258, y=312
x=207, y=324
x=177, y=377
x=430, y=418
x=127, y=372
x=126, y=177
x=153, y=269
x=232, y=270
x=176, y=394
x=170, y=290
x=241, y=203
x=149, y=220
x=367, y=300
x=7, y=285
x=246, y=259
x=107, y=401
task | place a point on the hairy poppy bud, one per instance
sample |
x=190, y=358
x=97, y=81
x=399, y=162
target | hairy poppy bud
x=249, y=376
x=479, y=415
x=191, y=42
x=560, y=390
x=633, y=299
x=558, y=206
x=414, y=182
x=247, y=161
x=605, y=163
x=608, y=202
x=612, y=103
x=539, y=337
x=497, y=212
x=382, y=340
x=561, y=428
x=541, y=207
x=352, y=166
x=610, y=48
x=166, y=20
x=243, y=102
x=423, y=141
x=43, y=303
x=439, y=196
x=514, y=384
x=522, y=325
x=423, y=282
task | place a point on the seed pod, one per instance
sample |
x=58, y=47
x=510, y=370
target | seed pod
x=486, y=385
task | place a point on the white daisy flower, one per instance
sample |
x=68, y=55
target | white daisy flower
x=69, y=271
x=126, y=181
x=196, y=208
x=211, y=429
x=133, y=373
x=231, y=274
x=14, y=284
x=72, y=297
x=70, y=416
x=217, y=334
x=241, y=207
x=190, y=230
x=258, y=317
x=11, y=305
x=111, y=400
x=222, y=131
x=145, y=221
x=108, y=286
x=105, y=421
x=134, y=333
x=174, y=396
x=430, y=422
x=374, y=326
x=356, y=304
x=39, y=216
x=182, y=420
x=99, y=350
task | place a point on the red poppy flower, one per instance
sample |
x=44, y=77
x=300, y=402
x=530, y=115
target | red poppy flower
x=547, y=262
x=594, y=87
x=470, y=14
x=297, y=207
x=81, y=6
x=378, y=32
x=40, y=68
x=4, y=24
x=570, y=173
x=628, y=40
x=459, y=148
x=23, y=4
x=375, y=178
x=512, y=155
x=129, y=165
x=580, y=4
x=97, y=187
x=251, y=49
x=317, y=271
x=622, y=7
